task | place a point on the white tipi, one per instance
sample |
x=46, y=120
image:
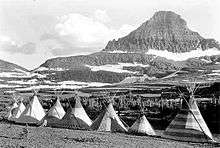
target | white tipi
x=55, y=114
x=33, y=113
x=70, y=121
x=142, y=126
x=79, y=112
x=56, y=110
x=109, y=121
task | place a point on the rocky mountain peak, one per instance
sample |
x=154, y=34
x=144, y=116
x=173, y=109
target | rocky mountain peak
x=166, y=30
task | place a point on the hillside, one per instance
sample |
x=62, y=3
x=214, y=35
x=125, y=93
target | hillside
x=10, y=67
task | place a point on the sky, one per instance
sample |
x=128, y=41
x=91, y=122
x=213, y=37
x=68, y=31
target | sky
x=32, y=31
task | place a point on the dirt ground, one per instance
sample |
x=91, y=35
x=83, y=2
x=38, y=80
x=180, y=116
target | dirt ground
x=13, y=136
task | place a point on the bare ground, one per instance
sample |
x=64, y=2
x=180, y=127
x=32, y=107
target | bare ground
x=21, y=136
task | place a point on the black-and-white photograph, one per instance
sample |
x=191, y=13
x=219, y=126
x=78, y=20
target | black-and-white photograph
x=109, y=73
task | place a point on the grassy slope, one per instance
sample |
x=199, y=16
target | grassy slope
x=14, y=136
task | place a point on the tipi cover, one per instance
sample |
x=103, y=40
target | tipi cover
x=55, y=114
x=33, y=113
x=142, y=126
x=70, y=121
x=79, y=112
x=189, y=125
x=109, y=121
x=18, y=111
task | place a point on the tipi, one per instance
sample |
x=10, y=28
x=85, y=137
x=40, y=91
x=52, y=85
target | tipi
x=79, y=112
x=73, y=120
x=55, y=114
x=142, y=126
x=189, y=124
x=33, y=113
x=70, y=121
x=18, y=111
x=109, y=121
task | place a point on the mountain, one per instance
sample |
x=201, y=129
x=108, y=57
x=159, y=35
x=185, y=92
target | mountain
x=164, y=31
x=163, y=49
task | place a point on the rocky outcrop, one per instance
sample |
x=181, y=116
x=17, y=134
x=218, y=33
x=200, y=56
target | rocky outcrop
x=166, y=30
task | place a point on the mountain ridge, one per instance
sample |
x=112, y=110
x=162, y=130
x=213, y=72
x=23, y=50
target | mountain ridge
x=166, y=30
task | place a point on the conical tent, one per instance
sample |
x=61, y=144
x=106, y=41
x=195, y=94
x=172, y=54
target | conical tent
x=195, y=110
x=56, y=110
x=189, y=125
x=70, y=121
x=18, y=111
x=109, y=121
x=79, y=112
x=33, y=113
x=142, y=126
x=10, y=113
x=55, y=114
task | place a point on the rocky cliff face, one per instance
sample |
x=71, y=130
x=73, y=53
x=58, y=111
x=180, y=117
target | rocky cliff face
x=164, y=31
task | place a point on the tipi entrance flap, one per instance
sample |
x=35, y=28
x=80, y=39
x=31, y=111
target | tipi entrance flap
x=191, y=123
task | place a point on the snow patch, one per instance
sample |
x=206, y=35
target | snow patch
x=20, y=75
x=33, y=81
x=119, y=51
x=207, y=61
x=66, y=85
x=82, y=84
x=118, y=68
x=8, y=86
x=185, y=55
x=214, y=74
x=216, y=71
x=50, y=69
x=12, y=74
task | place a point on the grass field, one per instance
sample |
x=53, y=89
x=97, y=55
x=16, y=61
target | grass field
x=13, y=136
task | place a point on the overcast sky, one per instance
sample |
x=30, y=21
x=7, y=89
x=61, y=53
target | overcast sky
x=32, y=31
